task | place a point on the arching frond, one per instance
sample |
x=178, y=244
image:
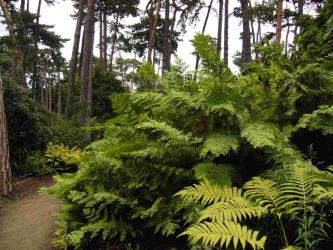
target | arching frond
x=259, y=134
x=232, y=210
x=217, y=144
x=221, y=234
x=208, y=193
x=265, y=193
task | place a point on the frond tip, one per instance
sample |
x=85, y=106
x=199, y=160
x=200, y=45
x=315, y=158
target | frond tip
x=213, y=234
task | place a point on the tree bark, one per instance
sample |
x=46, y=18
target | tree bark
x=59, y=103
x=219, y=28
x=114, y=40
x=152, y=35
x=28, y=5
x=287, y=38
x=300, y=13
x=6, y=186
x=105, y=36
x=101, y=43
x=226, y=32
x=203, y=32
x=279, y=13
x=22, y=6
x=73, y=63
x=246, y=35
x=86, y=74
x=81, y=52
x=18, y=58
x=34, y=67
x=166, y=38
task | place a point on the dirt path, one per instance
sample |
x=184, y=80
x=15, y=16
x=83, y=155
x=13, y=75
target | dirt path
x=27, y=221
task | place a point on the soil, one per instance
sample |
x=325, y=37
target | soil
x=27, y=219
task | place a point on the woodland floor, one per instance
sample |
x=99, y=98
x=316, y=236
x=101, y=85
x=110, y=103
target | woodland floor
x=27, y=219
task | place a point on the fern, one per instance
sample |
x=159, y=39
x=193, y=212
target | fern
x=259, y=135
x=221, y=234
x=219, y=144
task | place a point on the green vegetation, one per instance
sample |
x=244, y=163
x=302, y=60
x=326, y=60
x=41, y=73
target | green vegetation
x=178, y=159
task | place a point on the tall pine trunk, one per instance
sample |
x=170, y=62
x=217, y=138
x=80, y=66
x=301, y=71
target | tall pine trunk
x=34, y=66
x=59, y=101
x=105, y=36
x=219, y=27
x=18, y=58
x=6, y=186
x=226, y=32
x=203, y=32
x=114, y=40
x=86, y=74
x=300, y=13
x=73, y=62
x=101, y=43
x=246, y=35
x=279, y=13
x=166, y=38
x=152, y=33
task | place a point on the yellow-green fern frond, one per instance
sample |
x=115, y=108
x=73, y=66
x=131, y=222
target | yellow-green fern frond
x=291, y=248
x=265, y=193
x=221, y=234
x=260, y=134
x=232, y=210
x=208, y=193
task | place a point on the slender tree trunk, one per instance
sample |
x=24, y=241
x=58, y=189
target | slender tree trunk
x=34, y=66
x=226, y=32
x=22, y=6
x=114, y=40
x=73, y=63
x=219, y=31
x=6, y=186
x=101, y=43
x=81, y=52
x=59, y=103
x=46, y=89
x=246, y=35
x=28, y=5
x=300, y=13
x=287, y=38
x=86, y=74
x=166, y=38
x=18, y=58
x=203, y=32
x=105, y=36
x=152, y=35
x=50, y=92
x=279, y=13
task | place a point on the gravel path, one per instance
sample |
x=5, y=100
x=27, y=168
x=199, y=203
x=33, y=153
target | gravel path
x=27, y=221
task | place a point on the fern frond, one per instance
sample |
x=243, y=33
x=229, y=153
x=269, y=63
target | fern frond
x=291, y=248
x=217, y=144
x=220, y=234
x=265, y=193
x=259, y=134
x=208, y=193
x=232, y=210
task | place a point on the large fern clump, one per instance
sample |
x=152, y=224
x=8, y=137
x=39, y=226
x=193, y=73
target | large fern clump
x=215, y=132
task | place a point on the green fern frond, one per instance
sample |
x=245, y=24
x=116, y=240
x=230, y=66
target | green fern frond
x=232, y=210
x=217, y=144
x=291, y=248
x=265, y=193
x=208, y=193
x=259, y=134
x=221, y=234
x=220, y=174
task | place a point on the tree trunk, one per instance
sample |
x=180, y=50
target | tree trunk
x=114, y=40
x=50, y=92
x=287, y=38
x=203, y=32
x=219, y=31
x=152, y=33
x=166, y=38
x=6, y=186
x=105, y=37
x=86, y=74
x=101, y=43
x=279, y=13
x=73, y=63
x=34, y=66
x=246, y=35
x=22, y=6
x=18, y=58
x=28, y=5
x=226, y=32
x=59, y=103
x=81, y=52
x=300, y=13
